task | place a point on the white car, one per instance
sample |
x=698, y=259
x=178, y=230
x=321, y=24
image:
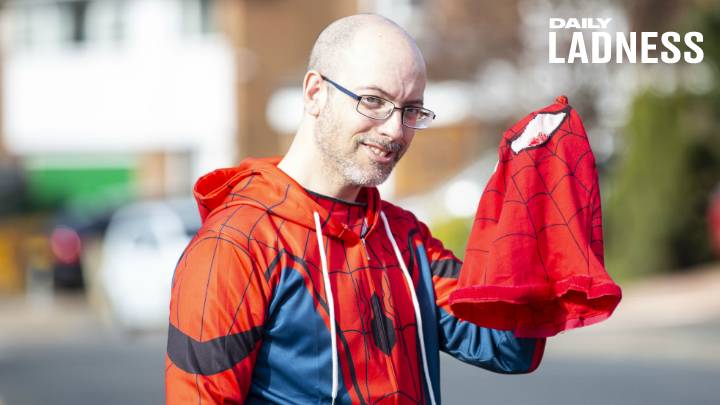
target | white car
x=143, y=243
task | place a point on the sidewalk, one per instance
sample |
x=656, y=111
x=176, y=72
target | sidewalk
x=670, y=317
x=28, y=320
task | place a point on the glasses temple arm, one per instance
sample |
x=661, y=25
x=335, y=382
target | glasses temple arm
x=341, y=88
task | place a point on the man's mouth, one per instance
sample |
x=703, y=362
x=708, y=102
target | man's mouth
x=378, y=150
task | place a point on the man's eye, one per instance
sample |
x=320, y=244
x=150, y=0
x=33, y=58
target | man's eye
x=372, y=101
x=418, y=113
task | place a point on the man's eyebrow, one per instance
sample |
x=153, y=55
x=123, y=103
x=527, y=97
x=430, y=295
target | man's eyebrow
x=389, y=97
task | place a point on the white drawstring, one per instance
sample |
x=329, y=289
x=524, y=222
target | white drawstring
x=331, y=306
x=416, y=305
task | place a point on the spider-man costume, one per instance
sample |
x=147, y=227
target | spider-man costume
x=534, y=262
x=249, y=315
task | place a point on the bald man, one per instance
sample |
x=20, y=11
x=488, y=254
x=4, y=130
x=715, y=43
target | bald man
x=303, y=285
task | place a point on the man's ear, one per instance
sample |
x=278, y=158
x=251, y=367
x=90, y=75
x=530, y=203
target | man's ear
x=314, y=92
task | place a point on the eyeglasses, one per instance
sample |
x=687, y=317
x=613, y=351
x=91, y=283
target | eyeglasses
x=379, y=108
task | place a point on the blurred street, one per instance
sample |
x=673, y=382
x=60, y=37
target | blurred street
x=111, y=110
x=660, y=347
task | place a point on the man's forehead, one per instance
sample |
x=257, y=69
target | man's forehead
x=392, y=47
x=388, y=74
x=394, y=82
x=374, y=89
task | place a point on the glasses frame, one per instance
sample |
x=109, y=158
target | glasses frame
x=358, y=98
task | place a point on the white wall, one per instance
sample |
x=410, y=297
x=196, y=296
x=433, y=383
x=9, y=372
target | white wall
x=156, y=90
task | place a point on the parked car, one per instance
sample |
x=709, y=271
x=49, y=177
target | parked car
x=69, y=232
x=143, y=243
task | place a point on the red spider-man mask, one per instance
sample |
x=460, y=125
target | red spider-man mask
x=534, y=261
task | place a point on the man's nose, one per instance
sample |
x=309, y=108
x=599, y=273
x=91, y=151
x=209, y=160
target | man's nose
x=393, y=126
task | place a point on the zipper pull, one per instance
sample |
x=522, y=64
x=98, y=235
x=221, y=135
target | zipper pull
x=363, y=233
x=365, y=249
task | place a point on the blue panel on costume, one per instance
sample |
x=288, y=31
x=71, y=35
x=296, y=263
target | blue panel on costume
x=296, y=348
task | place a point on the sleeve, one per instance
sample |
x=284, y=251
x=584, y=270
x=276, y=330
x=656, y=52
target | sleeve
x=495, y=350
x=218, y=304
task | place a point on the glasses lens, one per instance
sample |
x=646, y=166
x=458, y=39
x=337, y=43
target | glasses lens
x=416, y=117
x=374, y=107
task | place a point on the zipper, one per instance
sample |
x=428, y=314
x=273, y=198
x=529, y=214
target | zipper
x=365, y=248
x=363, y=233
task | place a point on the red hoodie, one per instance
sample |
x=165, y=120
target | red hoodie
x=250, y=311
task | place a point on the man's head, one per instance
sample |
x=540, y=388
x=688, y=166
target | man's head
x=368, y=55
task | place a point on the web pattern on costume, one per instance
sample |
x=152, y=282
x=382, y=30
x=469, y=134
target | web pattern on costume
x=386, y=327
x=542, y=176
x=534, y=262
x=383, y=328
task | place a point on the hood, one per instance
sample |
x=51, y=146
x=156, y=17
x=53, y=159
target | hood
x=260, y=184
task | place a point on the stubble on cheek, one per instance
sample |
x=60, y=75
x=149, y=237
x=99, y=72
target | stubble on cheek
x=344, y=157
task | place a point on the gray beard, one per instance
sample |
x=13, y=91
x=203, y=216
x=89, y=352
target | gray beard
x=342, y=167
